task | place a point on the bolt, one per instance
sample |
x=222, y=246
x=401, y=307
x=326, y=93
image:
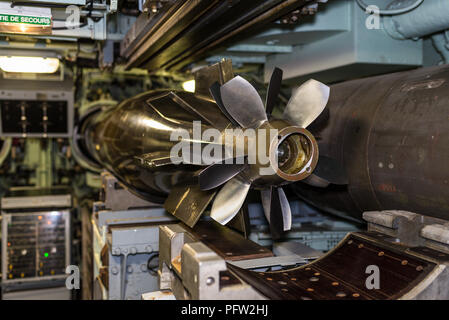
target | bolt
x=116, y=251
x=210, y=281
x=149, y=249
x=114, y=270
x=130, y=269
x=143, y=267
x=133, y=250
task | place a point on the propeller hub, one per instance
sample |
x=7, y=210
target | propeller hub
x=294, y=154
x=284, y=153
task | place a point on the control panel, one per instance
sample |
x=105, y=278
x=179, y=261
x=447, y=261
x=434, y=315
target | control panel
x=35, y=245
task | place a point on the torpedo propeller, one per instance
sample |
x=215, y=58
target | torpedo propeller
x=243, y=106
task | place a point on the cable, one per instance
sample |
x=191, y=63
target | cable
x=89, y=15
x=153, y=269
x=364, y=6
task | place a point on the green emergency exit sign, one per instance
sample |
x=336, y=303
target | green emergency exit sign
x=23, y=19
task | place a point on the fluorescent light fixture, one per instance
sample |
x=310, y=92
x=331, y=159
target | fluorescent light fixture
x=189, y=86
x=28, y=64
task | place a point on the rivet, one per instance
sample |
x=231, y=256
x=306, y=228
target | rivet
x=210, y=281
x=380, y=254
x=335, y=283
x=361, y=246
x=356, y=295
x=310, y=289
x=404, y=262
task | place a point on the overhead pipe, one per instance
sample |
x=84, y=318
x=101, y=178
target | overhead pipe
x=432, y=16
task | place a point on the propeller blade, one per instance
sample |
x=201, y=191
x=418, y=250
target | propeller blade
x=285, y=210
x=277, y=210
x=187, y=202
x=315, y=181
x=243, y=103
x=307, y=103
x=218, y=173
x=274, y=88
x=216, y=93
x=276, y=221
x=331, y=170
x=266, y=202
x=328, y=171
x=229, y=200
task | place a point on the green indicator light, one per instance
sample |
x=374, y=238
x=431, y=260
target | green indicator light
x=46, y=254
